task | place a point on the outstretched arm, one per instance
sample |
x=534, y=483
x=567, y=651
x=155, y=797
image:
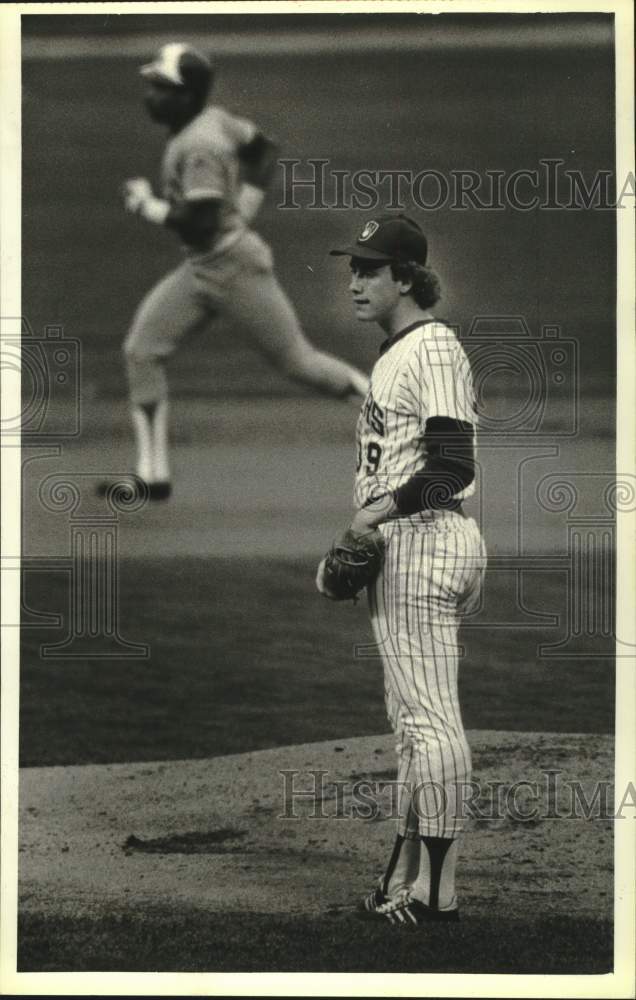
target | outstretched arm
x=195, y=220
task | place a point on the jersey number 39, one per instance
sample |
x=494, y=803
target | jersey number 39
x=373, y=456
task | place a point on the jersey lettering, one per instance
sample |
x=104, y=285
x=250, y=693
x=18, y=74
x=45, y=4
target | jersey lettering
x=374, y=416
x=373, y=458
x=425, y=374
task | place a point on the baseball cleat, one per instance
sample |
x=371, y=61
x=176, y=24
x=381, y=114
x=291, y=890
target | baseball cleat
x=408, y=913
x=136, y=487
x=378, y=898
x=159, y=491
x=374, y=900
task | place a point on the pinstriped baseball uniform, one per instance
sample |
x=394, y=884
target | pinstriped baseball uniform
x=432, y=573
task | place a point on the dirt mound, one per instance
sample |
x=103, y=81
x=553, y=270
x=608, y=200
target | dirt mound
x=307, y=828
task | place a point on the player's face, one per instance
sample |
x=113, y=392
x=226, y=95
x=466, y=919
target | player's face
x=164, y=102
x=375, y=292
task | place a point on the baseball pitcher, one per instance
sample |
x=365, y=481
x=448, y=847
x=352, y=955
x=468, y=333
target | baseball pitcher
x=421, y=558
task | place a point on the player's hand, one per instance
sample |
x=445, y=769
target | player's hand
x=320, y=582
x=136, y=192
x=374, y=514
x=139, y=200
x=352, y=564
x=365, y=521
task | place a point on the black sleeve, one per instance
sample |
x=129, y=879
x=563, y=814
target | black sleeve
x=195, y=221
x=449, y=468
x=258, y=161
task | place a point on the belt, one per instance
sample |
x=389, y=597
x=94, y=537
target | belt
x=455, y=506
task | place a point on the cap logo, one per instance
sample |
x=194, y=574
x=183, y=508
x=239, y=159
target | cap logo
x=369, y=230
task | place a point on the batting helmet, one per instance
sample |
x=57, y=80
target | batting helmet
x=182, y=66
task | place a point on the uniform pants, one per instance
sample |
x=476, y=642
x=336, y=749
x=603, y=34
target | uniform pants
x=240, y=284
x=432, y=575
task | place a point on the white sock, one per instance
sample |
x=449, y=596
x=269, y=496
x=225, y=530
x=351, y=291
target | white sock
x=161, y=465
x=150, y=425
x=405, y=860
x=435, y=882
x=404, y=866
x=143, y=439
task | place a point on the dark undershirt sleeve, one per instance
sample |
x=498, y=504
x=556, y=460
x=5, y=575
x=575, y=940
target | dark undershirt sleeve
x=449, y=468
x=195, y=221
x=258, y=161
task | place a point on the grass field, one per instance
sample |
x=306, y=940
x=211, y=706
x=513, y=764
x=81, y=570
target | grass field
x=84, y=131
x=137, y=941
x=252, y=659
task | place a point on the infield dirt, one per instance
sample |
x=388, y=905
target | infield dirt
x=228, y=834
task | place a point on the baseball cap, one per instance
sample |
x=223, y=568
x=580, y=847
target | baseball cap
x=388, y=237
x=182, y=66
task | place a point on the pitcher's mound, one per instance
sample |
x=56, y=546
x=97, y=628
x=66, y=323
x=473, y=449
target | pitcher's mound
x=308, y=828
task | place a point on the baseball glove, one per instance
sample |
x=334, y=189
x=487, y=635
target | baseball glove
x=352, y=563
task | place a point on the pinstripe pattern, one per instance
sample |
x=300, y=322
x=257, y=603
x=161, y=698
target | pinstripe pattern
x=432, y=574
x=425, y=374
